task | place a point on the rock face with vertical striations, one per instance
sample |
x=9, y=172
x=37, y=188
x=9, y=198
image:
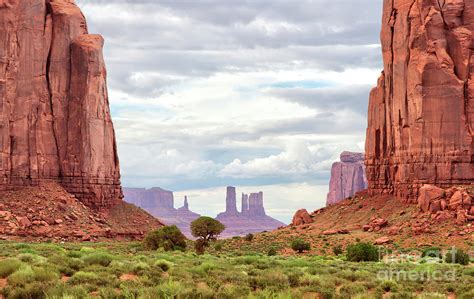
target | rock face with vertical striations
x=421, y=114
x=347, y=177
x=54, y=117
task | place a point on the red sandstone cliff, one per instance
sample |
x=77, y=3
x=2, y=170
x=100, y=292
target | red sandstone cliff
x=421, y=114
x=347, y=177
x=54, y=116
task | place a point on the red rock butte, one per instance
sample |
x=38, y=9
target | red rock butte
x=421, y=114
x=54, y=115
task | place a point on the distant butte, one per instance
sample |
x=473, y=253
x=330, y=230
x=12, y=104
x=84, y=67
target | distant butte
x=347, y=177
x=251, y=219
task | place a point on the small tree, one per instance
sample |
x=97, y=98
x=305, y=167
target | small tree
x=363, y=252
x=248, y=237
x=299, y=245
x=457, y=256
x=205, y=229
x=337, y=250
x=168, y=237
x=432, y=252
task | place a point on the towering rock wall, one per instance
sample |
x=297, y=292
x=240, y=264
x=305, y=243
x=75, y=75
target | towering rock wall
x=347, y=177
x=421, y=113
x=54, y=115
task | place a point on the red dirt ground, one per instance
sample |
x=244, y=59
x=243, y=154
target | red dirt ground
x=407, y=227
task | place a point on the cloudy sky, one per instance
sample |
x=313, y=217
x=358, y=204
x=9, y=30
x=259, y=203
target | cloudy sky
x=262, y=95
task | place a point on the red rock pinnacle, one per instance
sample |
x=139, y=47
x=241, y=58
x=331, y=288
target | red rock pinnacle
x=421, y=114
x=54, y=116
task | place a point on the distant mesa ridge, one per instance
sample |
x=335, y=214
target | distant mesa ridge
x=347, y=177
x=160, y=203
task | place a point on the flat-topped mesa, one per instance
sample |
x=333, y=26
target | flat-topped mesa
x=347, y=177
x=55, y=118
x=421, y=114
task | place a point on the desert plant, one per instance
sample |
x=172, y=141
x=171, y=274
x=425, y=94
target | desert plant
x=168, y=238
x=362, y=252
x=9, y=266
x=300, y=246
x=98, y=258
x=163, y=265
x=272, y=251
x=206, y=228
x=248, y=237
x=337, y=250
x=431, y=252
x=200, y=246
x=457, y=256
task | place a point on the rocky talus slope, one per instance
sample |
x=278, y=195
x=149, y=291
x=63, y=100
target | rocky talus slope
x=23, y=215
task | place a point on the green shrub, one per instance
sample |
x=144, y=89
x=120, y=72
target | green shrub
x=82, y=277
x=8, y=266
x=457, y=256
x=270, y=279
x=300, y=246
x=98, y=258
x=248, y=237
x=21, y=277
x=218, y=247
x=272, y=251
x=139, y=268
x=431, y=252
x=168, y=238
x=362, y=252
x=350, y=290
x=337, y=250
x=163, y=265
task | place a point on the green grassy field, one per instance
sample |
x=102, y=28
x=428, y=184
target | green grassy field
x=125, y=270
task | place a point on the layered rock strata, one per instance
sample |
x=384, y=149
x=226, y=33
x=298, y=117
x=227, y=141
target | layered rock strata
x=347, y=177
x=54, y=117
x=421, y=113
